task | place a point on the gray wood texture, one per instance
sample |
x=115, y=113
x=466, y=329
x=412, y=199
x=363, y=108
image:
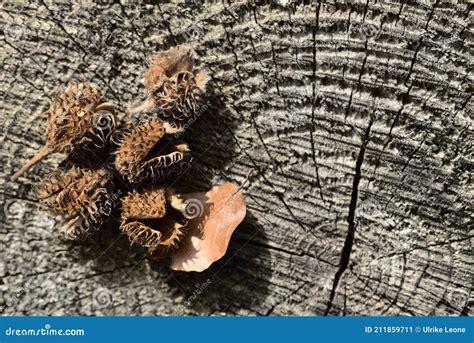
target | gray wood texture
x=347, y=123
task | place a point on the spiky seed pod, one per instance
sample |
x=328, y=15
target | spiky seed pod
x=83, y=197
x=173, y=87
x=148, y=152
x=150, y=220
x=103, y=127
x=77, y=116
x=167, y=63
x=181, y=95
x=70, y=117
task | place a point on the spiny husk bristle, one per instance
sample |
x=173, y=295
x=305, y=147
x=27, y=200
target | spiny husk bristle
x=165, y=64
x=76, y=117
x=145, y=205
x=70, y=115
x=147, y=220
x=147, y=153
x=83, y=197
x=176, y=90
x=180, y=96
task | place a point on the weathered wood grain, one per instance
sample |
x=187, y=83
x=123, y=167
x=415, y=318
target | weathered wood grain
x=348, y=124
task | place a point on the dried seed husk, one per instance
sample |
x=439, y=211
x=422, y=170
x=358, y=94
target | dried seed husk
x=148, y=153
x=104, y=126
x=83, y=197
x=174, y=88
x=167, y=63
x=209, y=230
x=75, y=117
x=181, y=95
x=150, y=220
x=70, y=116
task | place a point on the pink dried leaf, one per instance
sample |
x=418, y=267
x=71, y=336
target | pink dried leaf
x=209, y=234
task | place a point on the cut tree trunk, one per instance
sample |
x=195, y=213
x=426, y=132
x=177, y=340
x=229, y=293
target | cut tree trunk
x=348, y=125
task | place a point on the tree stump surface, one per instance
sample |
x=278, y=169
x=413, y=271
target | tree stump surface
x=347, y=124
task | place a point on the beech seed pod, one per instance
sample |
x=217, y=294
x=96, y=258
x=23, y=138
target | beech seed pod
x=152, y=219
x=173, y=87
x=193, y=229
x=147, y=152
x=83, y=197
x=77, y=116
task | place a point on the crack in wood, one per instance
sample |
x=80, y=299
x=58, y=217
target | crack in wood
x=349, y=241
x=313, y=104
x=248, y=49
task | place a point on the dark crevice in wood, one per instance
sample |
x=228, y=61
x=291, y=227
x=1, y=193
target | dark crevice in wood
x=405, y=99
x=365, y=10
x=413, y=61
x=313, y=104
x=167, y=25
x=399, y=13
x=274, y=59
x=363, y=63
x=349, y=241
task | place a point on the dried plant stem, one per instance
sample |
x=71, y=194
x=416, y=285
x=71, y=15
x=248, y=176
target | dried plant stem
x=42, y=153
x=145, y=106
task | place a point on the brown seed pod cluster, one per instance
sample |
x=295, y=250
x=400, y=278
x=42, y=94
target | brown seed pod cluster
x=142, y=156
